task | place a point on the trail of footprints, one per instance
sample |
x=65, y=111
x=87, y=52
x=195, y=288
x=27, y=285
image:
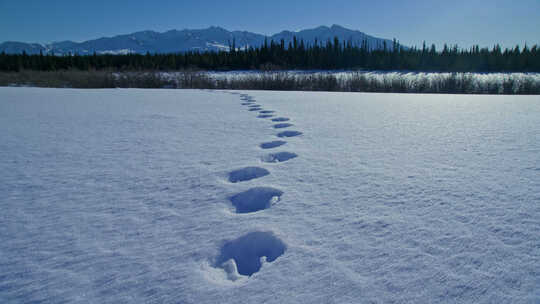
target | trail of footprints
x=245, y=255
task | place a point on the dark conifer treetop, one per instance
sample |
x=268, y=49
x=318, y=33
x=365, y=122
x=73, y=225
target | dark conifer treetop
x=297, y=55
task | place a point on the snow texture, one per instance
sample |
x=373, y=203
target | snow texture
x=247, y=173
x=289, y=133
x=122, y=196
x=255, y=199
x=278, y=157
x=248, y=251
x=282, y=125
x=272, y=144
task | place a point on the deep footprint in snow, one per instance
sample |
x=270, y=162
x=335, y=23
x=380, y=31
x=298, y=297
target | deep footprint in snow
x=265, y=116
x=281, y=119
x=246, y=254
x=288, y=133
x=255, y=199
x=246, y=103
x=272, y=144
x=278, y=157
x=254, y=109
x=267, y=112
x=247, y=173
x=282, y=125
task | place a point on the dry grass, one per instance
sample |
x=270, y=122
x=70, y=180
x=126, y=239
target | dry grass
x=458, y=83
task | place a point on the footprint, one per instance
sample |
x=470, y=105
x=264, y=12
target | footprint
x=265, y=115
x=272, y=144
x=278, y=157
x=280, y=119
x=255, y=199
x=267, y=112
x=288, y=133
x=246, y=103
x=247, y=173
x=254, y=109
x=254, y=106
x=282, y=125
x=246, y=254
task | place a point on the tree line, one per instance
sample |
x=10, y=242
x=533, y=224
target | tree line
x=332, y=54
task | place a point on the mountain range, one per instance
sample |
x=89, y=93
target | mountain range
x=173, y=41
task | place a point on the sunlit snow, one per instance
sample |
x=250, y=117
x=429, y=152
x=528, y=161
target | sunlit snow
x=186, y=196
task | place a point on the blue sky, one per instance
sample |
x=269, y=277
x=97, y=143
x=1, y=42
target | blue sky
x=459, y=22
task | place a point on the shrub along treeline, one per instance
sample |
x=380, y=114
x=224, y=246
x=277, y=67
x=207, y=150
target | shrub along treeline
x=453, y=83
x=296, y=55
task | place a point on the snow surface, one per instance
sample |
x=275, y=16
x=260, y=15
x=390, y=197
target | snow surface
x=116, y=196
x=116, y=52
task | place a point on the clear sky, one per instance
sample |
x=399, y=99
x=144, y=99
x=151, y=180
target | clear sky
x=462, y=22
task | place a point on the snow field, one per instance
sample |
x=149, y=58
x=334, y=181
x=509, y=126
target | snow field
x=442, y=157
x=112, y=196
x=246, y=254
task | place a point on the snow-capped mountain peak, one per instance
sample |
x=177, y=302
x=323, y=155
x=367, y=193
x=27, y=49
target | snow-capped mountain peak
x=213, y=38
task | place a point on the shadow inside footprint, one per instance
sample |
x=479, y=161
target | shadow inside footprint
x=254, y=109
x=289, y=133
x=267, y=112
x=280, y=119
x=265, y=115
x=282, y=125
x=272, y=144
x=255, y=199
x=278, y=157
x=246, y=254
x=247, y=173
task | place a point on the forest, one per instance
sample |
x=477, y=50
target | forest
x=296, y=55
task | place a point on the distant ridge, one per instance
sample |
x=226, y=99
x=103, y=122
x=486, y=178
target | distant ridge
x=174, y=41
